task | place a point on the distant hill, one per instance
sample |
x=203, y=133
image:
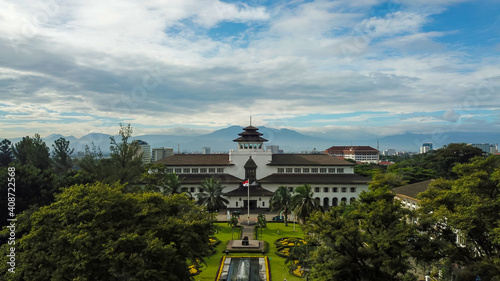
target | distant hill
x=288, y=140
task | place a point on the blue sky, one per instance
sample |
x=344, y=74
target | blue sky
x=339, y=69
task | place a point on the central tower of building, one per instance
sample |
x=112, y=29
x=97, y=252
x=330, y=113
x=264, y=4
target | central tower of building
x=250, y=139
x=251, y=155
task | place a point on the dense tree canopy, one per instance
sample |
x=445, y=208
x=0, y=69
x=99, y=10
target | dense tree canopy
x=435, y=164
x=468, y=207
x=370, y=240
x=32, y=151
x=97, y=232
x=6, y=154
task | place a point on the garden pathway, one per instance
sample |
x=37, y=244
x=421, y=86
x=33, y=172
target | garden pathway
x=247, y=230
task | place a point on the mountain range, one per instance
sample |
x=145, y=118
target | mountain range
x=287, y=140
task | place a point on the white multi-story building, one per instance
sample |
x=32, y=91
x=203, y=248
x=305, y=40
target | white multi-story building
x=333, y=179
x=365, y=154
x=426, y=147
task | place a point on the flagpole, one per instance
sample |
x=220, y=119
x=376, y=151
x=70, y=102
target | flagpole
x=248, y=202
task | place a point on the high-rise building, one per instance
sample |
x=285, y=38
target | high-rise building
x=205, y=150
x=146, y=151
x=162, y=152
x=426, y=147
x=494, y=148
x=274, y=148
x=483, y=146
x=390, y=152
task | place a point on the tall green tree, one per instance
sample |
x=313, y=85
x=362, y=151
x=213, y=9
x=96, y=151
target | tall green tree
x=369, y=242
x=6, y=154
x=61, y=156
x=467, y=208
x=281, y=201
x=212, y=195
x=92, y=165
x=98, y=232
x=126, y=158
x=32, y=151
x=303, y=202
x=33, y=188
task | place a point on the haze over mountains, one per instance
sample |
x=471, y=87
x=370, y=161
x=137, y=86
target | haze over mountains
x=288, y=140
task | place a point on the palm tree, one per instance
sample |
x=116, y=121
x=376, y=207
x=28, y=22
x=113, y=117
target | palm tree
x=303, y=202
x=281, y=201
x=212, y=195
x=172, y=184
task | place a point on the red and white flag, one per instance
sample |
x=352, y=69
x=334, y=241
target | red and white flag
x=245, y=183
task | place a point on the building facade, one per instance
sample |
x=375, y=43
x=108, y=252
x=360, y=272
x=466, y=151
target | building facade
x=146, y=151
x=426, y=147
x=333, y=179
x=365, y=154
x=162, y=152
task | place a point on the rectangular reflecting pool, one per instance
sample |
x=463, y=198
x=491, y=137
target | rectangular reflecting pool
x=243, y=269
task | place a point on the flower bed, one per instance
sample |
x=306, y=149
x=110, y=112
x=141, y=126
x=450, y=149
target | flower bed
x=214, y=241
x=297, y=270
x=289, y=242
x=283, y=252
x=194, y=269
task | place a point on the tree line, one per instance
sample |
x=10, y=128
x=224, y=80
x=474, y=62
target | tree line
x=97, y=218
x=453, y=235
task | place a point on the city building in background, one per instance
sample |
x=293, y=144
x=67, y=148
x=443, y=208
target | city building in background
x=389, y=152
x=205, y=150
x=162, y=152
x=426, y=147
x=486, y=147
x=363, y=154
x=146, y=151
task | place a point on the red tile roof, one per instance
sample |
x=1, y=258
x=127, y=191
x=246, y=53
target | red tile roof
x=350, y=150
x=307, y=160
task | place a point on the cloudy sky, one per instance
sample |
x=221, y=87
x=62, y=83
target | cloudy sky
x=188, y=66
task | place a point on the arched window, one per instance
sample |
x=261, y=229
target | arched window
x=352, y=199
x=343, y=199
x=326, y=202
x=335, y=201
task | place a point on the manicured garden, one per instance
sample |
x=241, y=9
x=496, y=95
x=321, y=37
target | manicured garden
x=273, y=232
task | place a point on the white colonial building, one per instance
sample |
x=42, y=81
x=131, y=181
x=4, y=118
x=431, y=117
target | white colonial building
x=333, y=179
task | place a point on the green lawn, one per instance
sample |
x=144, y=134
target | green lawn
x=279, y=270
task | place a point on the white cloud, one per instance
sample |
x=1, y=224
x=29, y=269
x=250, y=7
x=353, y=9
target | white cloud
x=155, y=63
x=393, y=24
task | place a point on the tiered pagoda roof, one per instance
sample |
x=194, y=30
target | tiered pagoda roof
x=250, y=134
